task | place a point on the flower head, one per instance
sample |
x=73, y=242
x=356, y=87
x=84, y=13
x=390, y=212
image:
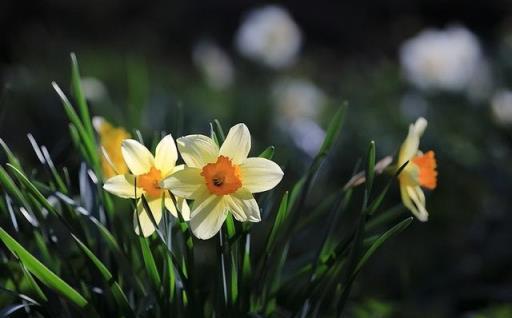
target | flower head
x=221, y=180
x=110, y=140
x=421, y=171
x=147, y=172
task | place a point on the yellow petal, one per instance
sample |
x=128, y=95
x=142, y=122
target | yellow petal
x=237, y=144
x=123, y=186
x=197, y=150
x=137, y=157
x=413, y=198
x=185, y=183
x=409, y=148
x=260, y=174
x=243, y=206
x=145, y=222
x=208, y=215
x=166, y=155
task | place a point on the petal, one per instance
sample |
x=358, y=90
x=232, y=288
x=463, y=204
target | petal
x=166, y=155
x=260, y=174
x=137, y=157
x=197, y=150
x=243, y=206
x=182, y=207
x=185, y=183
x=144, y=219
x=413, y=198
x=208, y=215
x=237, y=144
x=411, y=144
x=123, y=186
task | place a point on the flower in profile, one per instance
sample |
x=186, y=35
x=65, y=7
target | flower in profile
x=421, y=171
x=442, y=59
x=214, y=63
x=147, y=171
x=221, y=180
x=269, y=35
x=111, y=137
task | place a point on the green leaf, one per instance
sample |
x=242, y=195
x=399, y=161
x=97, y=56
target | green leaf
x=370, y=167
x=11, y=158
x=45, y=275
x=80, y=97
x=117, y=292
x=268, y=153
x=282, y=213
x=333, y=130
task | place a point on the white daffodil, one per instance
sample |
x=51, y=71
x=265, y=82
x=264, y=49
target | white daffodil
x=147, y=171
x=221, y=180
x=421, y=171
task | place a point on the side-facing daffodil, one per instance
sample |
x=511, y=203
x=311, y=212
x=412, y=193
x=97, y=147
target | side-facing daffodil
x=110, y=140
x=421, y=171
x=221, y=180
x=147, y=171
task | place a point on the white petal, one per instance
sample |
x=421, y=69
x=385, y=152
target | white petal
x=185, y=183
x=243, y=206
x=413, y=198
x=237, y=144
x=182, y=207
x=411, y=144
x=166, y=155
x=137, y=157
x=123, y=186
x=197, y=150
x=145, y=221
x=260, y=174
x=208, y=215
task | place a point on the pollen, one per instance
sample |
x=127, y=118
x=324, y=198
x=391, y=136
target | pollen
x=222, y=177
x=150, y=182
x=427, y=166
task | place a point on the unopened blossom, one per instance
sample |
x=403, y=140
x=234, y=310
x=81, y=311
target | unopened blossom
x=147, y=171
x=446, y=59
x=270, y=36
x=221, y=180
x=110, y=138
x=420, y=172
x=214, y=63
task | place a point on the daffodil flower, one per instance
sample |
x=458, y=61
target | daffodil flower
x=111, y=137
x=421, y=171
x=147, y=171
x=221, y=180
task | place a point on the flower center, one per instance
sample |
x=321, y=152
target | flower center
x=427, y=167
x=222, y=177
x=150, y=182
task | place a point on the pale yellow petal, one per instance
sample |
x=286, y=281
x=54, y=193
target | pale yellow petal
x=182, y=207
x=137, y=157
x=197, y=150
x=260, y=174
x=208, y=215
x=243, y=206
x=409, y=148
x=123, y=186
x=143, y=217
x=413, y=198
x=185, y=183
x=166, y=155
x=237, y=144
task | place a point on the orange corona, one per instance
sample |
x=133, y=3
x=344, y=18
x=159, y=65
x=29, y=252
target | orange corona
x=427, y=166
x=150, y=182
x=222, y=177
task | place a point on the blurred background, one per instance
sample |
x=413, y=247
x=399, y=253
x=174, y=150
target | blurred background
x=283, y=69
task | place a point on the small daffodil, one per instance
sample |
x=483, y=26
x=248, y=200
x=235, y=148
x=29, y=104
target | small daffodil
x=221, y=180
x=421, y=171
x=110, y=140
x=147, y=171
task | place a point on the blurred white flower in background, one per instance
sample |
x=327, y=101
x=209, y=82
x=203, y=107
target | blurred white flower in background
x=299, y=103
x=501, y=107
x=269, y=35
x=94, y=89
x=214, y=63
x=442, y=59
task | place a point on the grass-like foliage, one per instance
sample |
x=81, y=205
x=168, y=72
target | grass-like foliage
x=69, y=249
